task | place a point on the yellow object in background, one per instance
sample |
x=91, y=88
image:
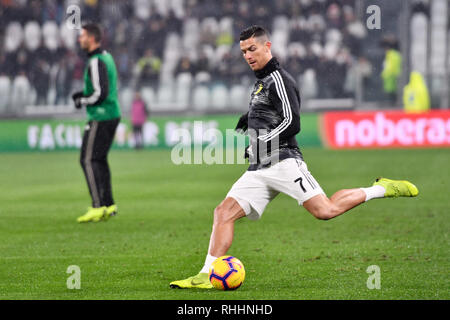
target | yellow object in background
x=392, y=69
x=415, y=94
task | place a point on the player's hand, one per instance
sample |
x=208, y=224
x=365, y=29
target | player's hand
x=76, y=97
x=242, y=124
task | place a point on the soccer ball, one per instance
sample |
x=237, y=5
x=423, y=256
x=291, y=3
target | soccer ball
x=227, y=273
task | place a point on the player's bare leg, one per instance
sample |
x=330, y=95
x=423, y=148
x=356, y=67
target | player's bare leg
x=324, y=208
x=225, y=214
x=222, y=233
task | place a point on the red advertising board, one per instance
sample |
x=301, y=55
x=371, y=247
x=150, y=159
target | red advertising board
x=386, y=129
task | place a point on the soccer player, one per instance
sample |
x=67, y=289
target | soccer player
x=99, y=97
x=274, y=114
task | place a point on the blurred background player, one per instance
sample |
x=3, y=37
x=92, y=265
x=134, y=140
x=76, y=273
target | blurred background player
x=139, y=114
x=99, y=97
x=392, y=67
x=274, y=114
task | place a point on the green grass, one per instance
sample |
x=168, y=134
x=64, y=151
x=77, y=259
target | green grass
x=165, y=214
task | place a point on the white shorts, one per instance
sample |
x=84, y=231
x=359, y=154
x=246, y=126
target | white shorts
x=255, y=189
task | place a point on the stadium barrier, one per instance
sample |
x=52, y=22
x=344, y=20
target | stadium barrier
x=336, y=130
x=158, y=132
x=387, y=129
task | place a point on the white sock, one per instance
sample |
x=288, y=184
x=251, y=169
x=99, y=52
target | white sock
x=208, y=261
x=374, y=192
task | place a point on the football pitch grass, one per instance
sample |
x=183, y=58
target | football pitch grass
x=162, y=230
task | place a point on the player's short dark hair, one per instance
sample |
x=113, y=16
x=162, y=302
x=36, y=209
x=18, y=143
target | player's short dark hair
x=94, y=30
x=253, y=31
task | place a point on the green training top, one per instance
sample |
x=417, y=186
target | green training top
x=100, y=87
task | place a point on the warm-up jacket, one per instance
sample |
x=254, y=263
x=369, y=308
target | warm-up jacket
x=273, y=117
x=100, y=87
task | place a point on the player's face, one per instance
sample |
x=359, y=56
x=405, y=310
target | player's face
x=84, y=39
x=256, y=52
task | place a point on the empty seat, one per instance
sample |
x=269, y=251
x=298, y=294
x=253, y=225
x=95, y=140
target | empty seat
x=172, y=41
x=279, y=43
x=209, y=24
x=191, y=34
x=209, y=52
x=220, y=52
x=439, y=10
x=126, y=99
x=177, y=7
x=308, y=85
x=219, y=97
x=238, y=97
x=184, y=79
x=182, y=98
x=165, y=94
x=171, y=58
x=190, y=41
x=20, y=96
x=357, y=29
x=5, y=89
x=296, y=49
x=419, y=26
x=68, y=36
x=13, y=36
x=201, y=97
x=149, y=97
x=316, y=49
x=281, y=23
x=183, y=90
x=32, y=35
x=50, y=34
x=166, y=76
x=330, y=50
x=161, y=7
x=316, y=22
x=190, y=26
x=202, y=77
x=226, y=25
x=142, y=9
x=280, y=37
x=333, y=36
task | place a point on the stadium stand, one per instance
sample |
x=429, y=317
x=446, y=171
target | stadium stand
x=5, y=88
x=182, y=54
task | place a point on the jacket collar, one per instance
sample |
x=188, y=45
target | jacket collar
x=270, y=67
x=96, y=51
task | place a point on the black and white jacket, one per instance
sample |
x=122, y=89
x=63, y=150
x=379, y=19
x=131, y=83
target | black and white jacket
x=273, y=117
